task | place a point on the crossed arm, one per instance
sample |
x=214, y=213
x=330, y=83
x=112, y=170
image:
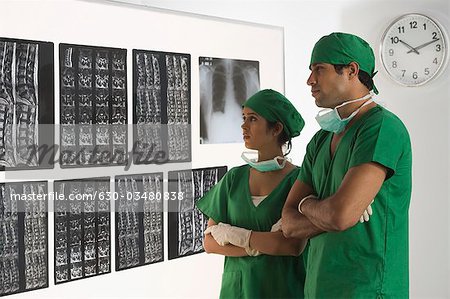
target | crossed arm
x=270, y=243
x=338, y=212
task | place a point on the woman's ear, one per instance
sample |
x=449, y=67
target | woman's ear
x=277, y=129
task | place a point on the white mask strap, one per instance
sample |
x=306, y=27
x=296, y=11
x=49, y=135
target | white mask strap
x=367, y=96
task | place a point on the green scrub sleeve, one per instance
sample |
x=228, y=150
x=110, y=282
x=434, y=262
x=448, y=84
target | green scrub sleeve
x=214, y=203
x=382, y=142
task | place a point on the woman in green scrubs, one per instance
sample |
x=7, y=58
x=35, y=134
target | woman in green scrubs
x=244, y=207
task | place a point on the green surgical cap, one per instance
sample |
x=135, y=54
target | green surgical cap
x=274, y=106
x=343, y=48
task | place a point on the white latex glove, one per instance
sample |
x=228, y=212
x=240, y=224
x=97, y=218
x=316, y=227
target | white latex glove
x=237, y=236
x=224, y=233
x=218, y=232
x=367, y=213
x=251, y=251
x=276, y=227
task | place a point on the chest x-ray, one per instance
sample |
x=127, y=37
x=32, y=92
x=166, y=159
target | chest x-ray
x=225, y=84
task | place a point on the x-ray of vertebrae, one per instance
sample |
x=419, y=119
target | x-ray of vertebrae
x=26, y=84
x=93, y=106
x=82, y=230
x=225, y=84
x=162, y=105
x=139, y=220
x=23, y=238
x=187, y=224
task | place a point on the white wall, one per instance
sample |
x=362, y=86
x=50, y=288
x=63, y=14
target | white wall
x=424, y=110
x=123, y=26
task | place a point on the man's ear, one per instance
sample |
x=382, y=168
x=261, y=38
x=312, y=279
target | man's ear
x=353, y=69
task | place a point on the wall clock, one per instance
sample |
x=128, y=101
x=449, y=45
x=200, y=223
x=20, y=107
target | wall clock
x=414, y=49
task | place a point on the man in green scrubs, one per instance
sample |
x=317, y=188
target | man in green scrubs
x=360, y=158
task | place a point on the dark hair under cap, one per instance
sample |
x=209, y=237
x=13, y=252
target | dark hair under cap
x=274, y=106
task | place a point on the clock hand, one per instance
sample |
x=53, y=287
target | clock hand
x=423, y=45
x=411, y=47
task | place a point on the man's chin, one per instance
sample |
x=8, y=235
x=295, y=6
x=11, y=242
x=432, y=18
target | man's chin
x=318, y=104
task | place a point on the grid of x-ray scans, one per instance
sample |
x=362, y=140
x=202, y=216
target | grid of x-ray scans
x=82, y=229
x=139, y=220
x=225, y=84
x=93, y=113
x=26, y=102
x=23, y=237
x=187, y=224
x=162, y=104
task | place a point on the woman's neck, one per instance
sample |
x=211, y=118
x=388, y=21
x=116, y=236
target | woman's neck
x=269, y=154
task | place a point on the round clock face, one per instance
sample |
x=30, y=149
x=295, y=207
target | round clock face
x=413, y=49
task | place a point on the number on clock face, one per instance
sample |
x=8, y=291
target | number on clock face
x=413, y=49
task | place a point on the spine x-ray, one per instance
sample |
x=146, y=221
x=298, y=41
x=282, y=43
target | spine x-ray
x=161, y=83
x=82, y=229
x=26, y=102
x=225, y=84
x=139, y=220
x=23, y=237
x=93, y=106
x=186, y=222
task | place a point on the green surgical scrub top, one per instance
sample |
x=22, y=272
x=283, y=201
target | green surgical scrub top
x=368, y=260
x=263, y=276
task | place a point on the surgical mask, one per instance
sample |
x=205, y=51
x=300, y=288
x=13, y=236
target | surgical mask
x=264, y=166
x=330, y=120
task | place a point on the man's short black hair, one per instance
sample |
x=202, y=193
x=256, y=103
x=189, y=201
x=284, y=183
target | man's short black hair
x=363, y=77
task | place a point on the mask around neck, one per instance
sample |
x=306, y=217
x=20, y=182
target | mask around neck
x=330, y=120
x=264, y=166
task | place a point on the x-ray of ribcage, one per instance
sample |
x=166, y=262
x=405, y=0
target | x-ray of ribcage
x=23, y=238
x=139, y=220
x=162, y=105
x=190, y=222
x=82, y=230
x=93, y=106
x=21, y=95
x=225, y=84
